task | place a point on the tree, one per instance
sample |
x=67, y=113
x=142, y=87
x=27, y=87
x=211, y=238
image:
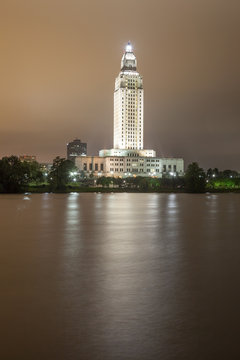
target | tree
x=195, y=179
x=104, y=181
x=229, y=174
x=143, y=183
x=209, y=172
x=15, y=175
x=35, y=172
x=61, y=173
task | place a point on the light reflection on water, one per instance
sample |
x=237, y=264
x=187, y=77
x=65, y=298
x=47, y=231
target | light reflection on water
x=119, y=276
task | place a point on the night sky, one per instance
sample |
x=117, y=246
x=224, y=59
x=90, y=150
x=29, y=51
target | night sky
x=59, y=60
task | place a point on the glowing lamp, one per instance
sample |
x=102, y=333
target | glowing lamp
x=129, y=47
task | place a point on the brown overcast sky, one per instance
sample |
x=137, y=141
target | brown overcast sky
x=59, y=60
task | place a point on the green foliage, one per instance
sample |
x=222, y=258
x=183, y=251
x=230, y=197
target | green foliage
x=60, y=173
x=147, y=183
x=224, y=184
x=106, y=181
x=35, y=172
x=15, y=175
x=195, y=181
x=172, y=183
x=144, y=184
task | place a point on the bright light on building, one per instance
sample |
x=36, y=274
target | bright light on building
x=129, y=47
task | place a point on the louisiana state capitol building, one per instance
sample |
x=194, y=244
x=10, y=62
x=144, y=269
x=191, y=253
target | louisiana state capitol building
x=128, y=156
x=128, y=104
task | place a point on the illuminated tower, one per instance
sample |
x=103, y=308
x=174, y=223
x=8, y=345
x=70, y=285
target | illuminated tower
x=128, y=104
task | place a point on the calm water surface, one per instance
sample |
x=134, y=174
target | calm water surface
x=119, y=276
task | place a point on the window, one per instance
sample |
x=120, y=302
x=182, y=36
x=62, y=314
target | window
x=90, y=167
x=101, y=167
x=96, y=167
x=85, y=167
x=174, y=168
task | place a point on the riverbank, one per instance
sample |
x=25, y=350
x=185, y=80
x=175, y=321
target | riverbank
x=96, y=189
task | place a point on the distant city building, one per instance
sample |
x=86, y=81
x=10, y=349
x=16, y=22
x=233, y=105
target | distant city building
x=27, y=158
x=76, y=148
x=128, y=157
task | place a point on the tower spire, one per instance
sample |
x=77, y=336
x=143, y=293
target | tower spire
x=129, y=61
x=129, y=47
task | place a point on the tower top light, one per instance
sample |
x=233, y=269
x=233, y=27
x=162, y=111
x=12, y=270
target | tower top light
x=128, y=47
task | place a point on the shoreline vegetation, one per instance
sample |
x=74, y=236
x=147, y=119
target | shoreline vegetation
x=68, y=190
x=63, y=177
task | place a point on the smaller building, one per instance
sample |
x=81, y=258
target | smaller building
x=125, y=166
x=27, y=158
x=76, y=148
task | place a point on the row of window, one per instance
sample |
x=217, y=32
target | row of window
x=116, y=169
x=92, y=167
x=132, y=170
x=174, y=168
x=149, y=170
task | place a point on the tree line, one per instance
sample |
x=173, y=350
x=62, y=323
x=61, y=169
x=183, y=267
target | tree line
x=17, y=176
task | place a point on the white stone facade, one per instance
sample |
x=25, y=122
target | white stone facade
x=128, y=104
x=127, y=152
x=125, y=166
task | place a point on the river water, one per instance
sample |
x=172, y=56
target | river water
x=119, y=276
